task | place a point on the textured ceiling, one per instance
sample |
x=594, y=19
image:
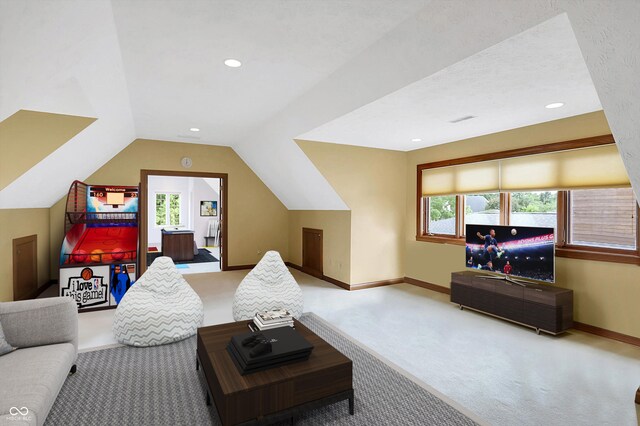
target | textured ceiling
x=63, y=57
x=153, y=69
x=505, y=86
x=173, y=54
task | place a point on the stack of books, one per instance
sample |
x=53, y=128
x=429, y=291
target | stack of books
x=285, y=345
x=273, y=319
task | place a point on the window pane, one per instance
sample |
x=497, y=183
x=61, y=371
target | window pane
x=161, y=209
x=482, y=209
x=174, y=209
x=603, y=218
x=442, y=215
x=538, y=208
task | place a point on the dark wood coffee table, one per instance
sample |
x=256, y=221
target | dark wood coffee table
x=276, y=394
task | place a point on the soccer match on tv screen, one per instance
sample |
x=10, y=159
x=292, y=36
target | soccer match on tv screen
x=517, y=251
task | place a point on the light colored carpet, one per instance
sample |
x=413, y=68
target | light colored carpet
x=160, y=386
x=505, y=373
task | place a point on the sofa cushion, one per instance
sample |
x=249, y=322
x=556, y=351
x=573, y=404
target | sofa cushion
x=32, y=378
x=38, y=322
x=5, y=348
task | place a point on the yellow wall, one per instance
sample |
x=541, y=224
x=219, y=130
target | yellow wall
x=336, y=239
x=605, y=294
x=371, y=182
x=17, y=223
x=27, y=137
x=257, y=221
x=375, y=240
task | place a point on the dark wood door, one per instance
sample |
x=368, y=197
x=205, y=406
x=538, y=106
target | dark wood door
x=312, y=251
x=221, y=224
x=25, y=267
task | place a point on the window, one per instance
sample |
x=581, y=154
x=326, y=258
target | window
x=168, y=209
x=539, y=208
x=482, y=209
x=442, y=215
x=603, y=218
x=595, y=224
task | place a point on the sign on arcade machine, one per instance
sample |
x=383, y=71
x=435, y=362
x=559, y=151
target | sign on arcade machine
x=97, y=286
x=89, y=287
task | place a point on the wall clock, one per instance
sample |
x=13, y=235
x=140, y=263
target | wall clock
x=186, y=162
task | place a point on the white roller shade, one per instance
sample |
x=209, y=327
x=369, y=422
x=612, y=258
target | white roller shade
x=595, y=167
x=469, y=178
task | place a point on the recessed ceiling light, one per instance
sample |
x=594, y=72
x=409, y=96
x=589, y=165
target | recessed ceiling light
x=194, y=129
x=416, y=140
x=554, y=105
x=233, y=63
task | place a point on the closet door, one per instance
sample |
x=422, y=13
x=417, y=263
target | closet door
x=312, y=251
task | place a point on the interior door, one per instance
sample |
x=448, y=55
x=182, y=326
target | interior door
x=25, y=267
x=312, y=251
x=222, y=223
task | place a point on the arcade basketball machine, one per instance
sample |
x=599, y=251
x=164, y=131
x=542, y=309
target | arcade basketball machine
x=98, y=259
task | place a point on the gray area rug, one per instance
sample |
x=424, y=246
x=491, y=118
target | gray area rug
x=160, y=386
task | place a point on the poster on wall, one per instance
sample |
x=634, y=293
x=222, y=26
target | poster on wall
x=88, y=286
x=208, y=208
x=122, y=277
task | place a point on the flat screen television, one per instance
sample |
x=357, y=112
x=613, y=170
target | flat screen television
x=512, y=251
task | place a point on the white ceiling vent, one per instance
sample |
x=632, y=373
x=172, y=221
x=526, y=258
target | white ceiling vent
x=465, y=118
x=190, y=137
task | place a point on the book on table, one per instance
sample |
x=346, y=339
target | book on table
x=276, y=315
x=263, y=326
x=273, y=319
x=287, y=346
x=271, y=327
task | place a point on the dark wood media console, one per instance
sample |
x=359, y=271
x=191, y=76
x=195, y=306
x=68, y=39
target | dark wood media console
x=542, y=307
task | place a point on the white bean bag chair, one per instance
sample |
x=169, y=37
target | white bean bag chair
x=159, y=308
x=268, y=286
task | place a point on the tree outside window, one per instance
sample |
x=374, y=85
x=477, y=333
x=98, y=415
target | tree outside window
x=161, y=209
x=168, y=208
x=442, y=215
x=538, y=208
x=482, y=209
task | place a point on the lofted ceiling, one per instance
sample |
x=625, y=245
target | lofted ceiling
x=365, y=72
x=63, y=58
x=149, y=69
x=174, y=58
x=503, y=87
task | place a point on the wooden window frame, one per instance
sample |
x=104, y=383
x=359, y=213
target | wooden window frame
x=577, y=251
x=563, y=249
x=423, y=233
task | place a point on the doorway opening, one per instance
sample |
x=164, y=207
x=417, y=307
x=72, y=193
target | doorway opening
x=183, y=215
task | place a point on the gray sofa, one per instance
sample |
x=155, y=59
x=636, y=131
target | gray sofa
x=45, y=331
